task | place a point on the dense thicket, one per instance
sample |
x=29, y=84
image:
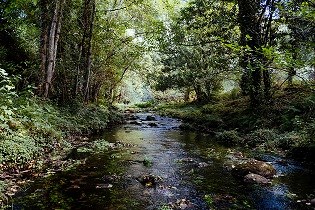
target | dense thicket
x=81, y=50
x=58, y=57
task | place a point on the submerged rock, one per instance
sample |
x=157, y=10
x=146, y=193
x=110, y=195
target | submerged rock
x=202, y=165
x=150, y=118
x=186, y=160
x=149, y=180
x=181, y=204
x=132, y=117
x=256, y=179
x=104, y=186
x=256, y=167
x=135, y=122
x=153, y=124
x=312, y=202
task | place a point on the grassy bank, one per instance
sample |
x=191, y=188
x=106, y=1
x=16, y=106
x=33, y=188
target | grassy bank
x=33, y=132
x=286, y=125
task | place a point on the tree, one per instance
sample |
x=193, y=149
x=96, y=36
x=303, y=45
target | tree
x=195, y=55
x=51, y=13
x=85, y=54
x=296, y=40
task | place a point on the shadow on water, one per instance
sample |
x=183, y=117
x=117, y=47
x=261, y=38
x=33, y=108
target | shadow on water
x=190, y=169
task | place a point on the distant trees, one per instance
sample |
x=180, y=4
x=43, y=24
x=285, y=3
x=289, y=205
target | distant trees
x=79, y=49
x=213, y=40
x=193, y=49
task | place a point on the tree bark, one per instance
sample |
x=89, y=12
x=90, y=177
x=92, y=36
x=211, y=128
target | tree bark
x=252, y=58
x=85, y=57
x=50, y=32
x=44, y=26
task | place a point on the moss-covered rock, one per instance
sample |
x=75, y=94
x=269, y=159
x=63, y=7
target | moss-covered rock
x=256, y=179
x=256, y=167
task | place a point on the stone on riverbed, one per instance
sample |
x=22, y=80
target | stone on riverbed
x=132, y=117
x=149, y=180
x=202, y=165
x=181, y=204
x=256, y=179
x=135, y=122
x=104, y=186
x=256, y=167
x=152, y=124
x=150, y=118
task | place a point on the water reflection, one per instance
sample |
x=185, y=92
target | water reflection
x=191, y=166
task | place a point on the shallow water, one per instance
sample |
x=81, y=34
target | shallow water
x=188, y=166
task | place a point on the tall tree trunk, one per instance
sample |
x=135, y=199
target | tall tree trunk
x=44, y=26
x=85, y=57
x=251, y=37
x=267, y=85
x=187, y=94
x=50, y=33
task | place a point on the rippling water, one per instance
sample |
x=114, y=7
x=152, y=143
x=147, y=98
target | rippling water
x=189, y=167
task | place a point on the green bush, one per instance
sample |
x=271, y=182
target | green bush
x=228, y=137
x=100, y=145
x=7, y=95
x=290, y=140
x=212, y=108
x=17, y=150
x=262, y=137
x=147, y=104
x=35, y=125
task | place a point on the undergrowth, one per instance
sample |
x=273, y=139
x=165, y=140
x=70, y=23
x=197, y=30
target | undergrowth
x=287, y=124
x=36, y=126
x=32, y=128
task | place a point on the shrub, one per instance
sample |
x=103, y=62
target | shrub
x=290, y=140
x=228, y=137
x=212, y=108
x=147, y=104
x=17, y=150
x=100, y=145
x=262, y=136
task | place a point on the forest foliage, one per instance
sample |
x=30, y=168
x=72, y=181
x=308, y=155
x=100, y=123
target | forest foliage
x=60, y=58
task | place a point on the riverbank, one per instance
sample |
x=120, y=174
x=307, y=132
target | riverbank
x=36, y=135
x=285, y=127
x=141, y=165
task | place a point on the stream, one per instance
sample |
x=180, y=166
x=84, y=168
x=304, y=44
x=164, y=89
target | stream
x=188, y=171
